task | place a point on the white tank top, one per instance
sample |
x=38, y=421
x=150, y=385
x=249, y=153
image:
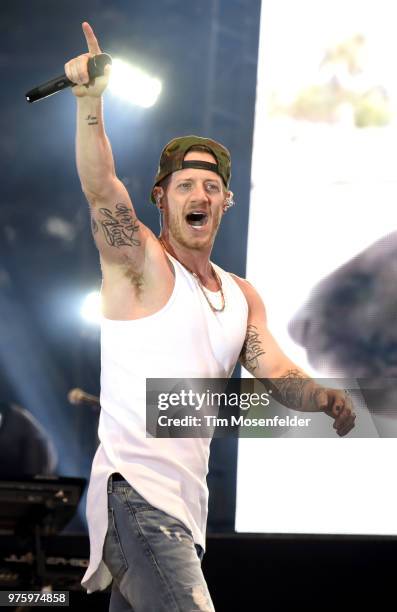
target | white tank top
x=184, y=339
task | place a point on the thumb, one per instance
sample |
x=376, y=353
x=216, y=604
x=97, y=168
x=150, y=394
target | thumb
x=321, y=399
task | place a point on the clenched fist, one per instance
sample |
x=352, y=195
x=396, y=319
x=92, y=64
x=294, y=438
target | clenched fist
x=76, y=69
x=337, y=404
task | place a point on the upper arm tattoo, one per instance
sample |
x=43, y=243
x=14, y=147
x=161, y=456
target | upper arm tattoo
x=252, y=349
x=119, y=226
x=94, y=226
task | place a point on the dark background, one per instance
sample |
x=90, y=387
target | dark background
x=205, y=53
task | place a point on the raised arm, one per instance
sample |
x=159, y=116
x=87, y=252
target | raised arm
x=291, y=386
x=120, y=238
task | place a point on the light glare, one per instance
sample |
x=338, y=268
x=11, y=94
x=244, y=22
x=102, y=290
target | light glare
x=91, y=310
x=133, y=84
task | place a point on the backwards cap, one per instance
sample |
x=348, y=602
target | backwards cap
x=172, y=159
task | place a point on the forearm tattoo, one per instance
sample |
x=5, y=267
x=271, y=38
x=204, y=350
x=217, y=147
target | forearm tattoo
x=291, y=388
x=119, y=226
x=252, y=349
x=92, y=120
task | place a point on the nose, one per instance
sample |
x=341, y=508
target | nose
x=200, y=194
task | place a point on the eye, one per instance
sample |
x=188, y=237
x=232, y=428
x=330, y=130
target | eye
x=212, y=186
x=184, y=186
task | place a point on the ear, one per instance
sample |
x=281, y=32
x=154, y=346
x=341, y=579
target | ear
x=228, y=200
x=158, y=193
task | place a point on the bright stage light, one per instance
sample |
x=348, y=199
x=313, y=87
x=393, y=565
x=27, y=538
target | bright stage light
x=91, y=309
x=133, y=84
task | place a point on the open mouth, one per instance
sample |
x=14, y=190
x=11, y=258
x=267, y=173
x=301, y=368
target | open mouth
x=197, y=219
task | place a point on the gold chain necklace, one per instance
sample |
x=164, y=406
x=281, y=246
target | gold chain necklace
x=200, y=284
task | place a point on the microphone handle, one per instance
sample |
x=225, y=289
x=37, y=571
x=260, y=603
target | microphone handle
x=90, y=400
x=96, y=66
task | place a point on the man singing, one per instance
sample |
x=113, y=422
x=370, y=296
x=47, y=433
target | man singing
x=168, y=312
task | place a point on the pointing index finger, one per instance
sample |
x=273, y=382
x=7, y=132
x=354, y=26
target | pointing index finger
x=92, y=43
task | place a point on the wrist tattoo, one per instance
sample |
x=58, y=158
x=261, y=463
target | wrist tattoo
x=119, y=226
x=92, y=120
x=252, y=349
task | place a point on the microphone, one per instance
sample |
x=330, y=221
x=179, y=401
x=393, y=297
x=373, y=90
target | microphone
x=78, y=396
x=96, y=67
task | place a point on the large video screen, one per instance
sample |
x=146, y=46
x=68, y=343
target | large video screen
x=322, y=252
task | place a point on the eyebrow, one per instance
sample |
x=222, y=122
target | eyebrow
x=184, y=180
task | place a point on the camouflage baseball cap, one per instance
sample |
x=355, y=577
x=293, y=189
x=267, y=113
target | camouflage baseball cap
x=173, y=154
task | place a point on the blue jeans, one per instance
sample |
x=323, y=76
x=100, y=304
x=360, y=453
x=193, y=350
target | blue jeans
x=155, y=564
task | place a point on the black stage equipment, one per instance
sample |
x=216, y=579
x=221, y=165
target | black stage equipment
x=32, y=511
